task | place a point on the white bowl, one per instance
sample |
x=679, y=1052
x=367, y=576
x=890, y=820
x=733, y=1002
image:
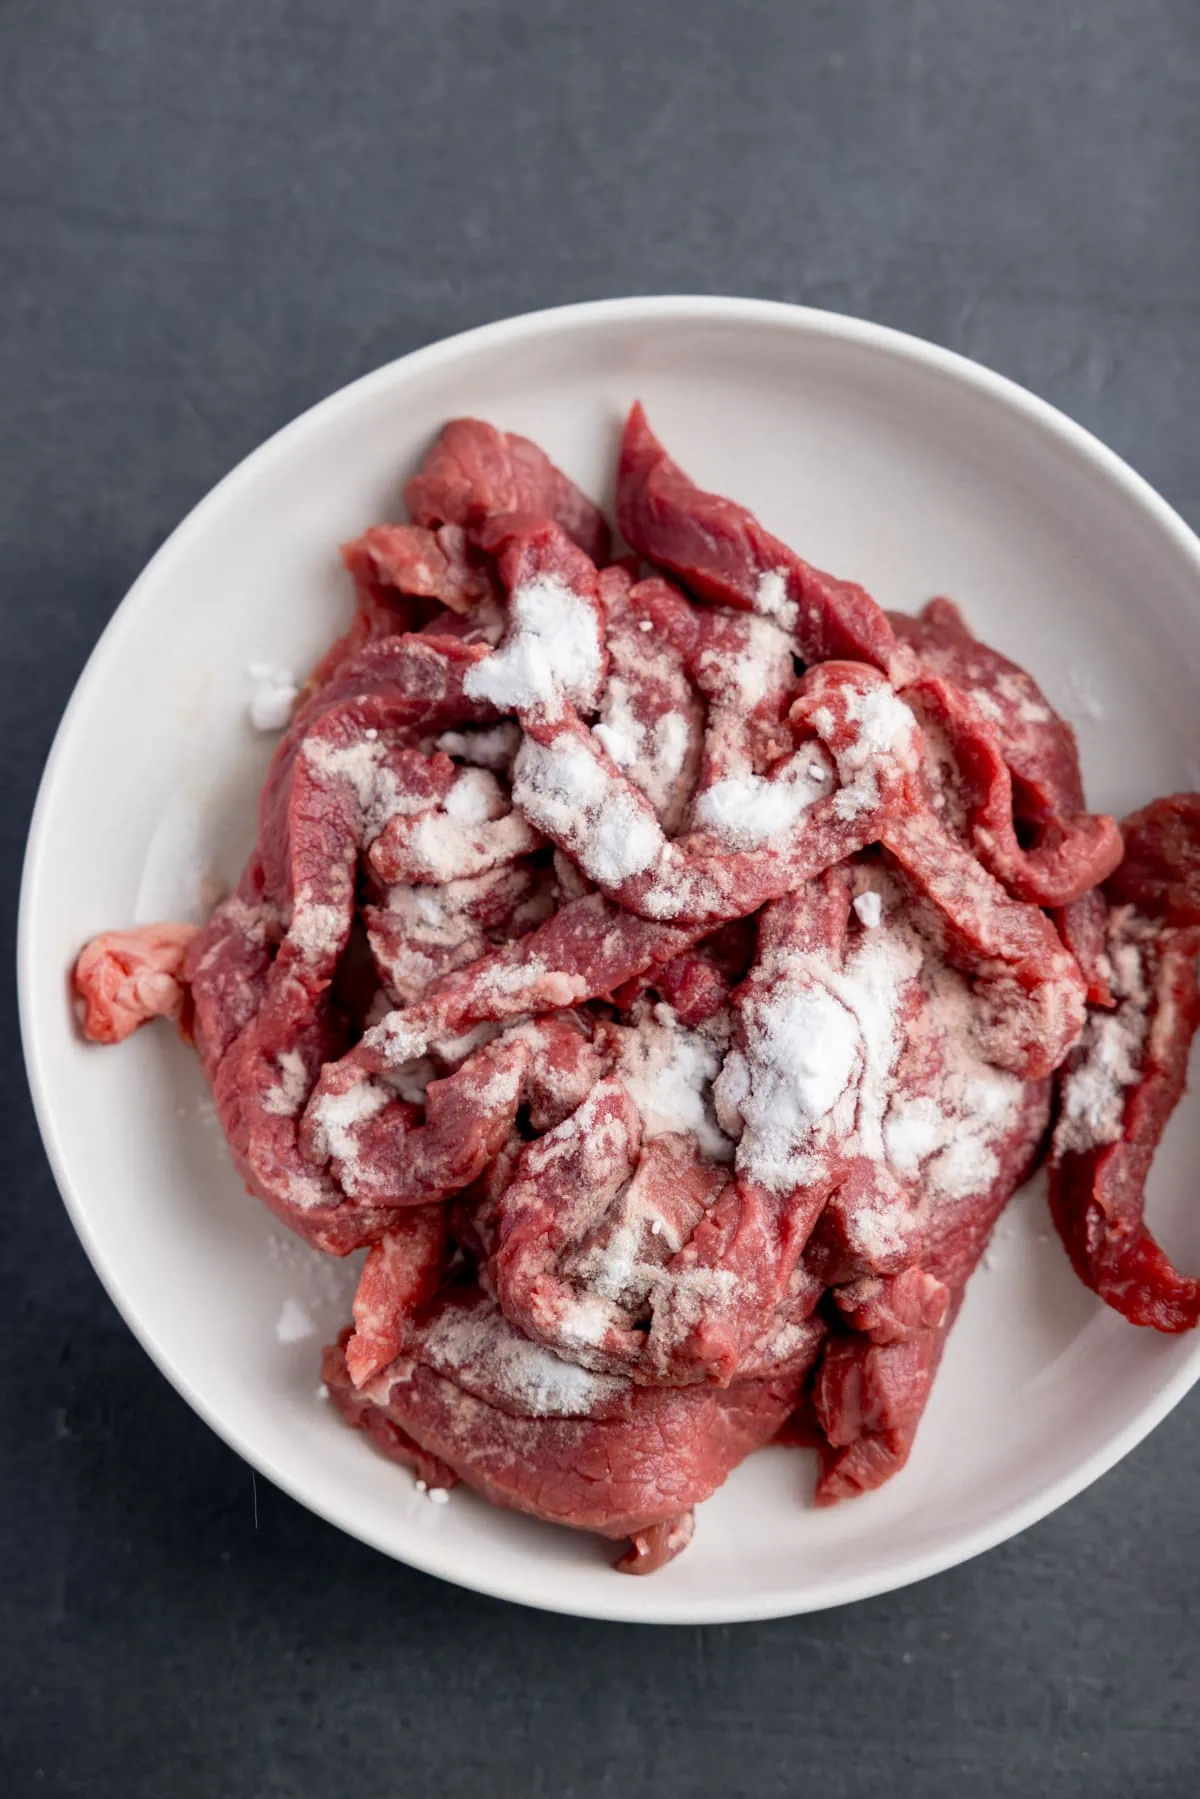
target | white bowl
x=887, y=460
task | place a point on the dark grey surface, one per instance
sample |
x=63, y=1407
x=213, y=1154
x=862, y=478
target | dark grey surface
x=210, y=216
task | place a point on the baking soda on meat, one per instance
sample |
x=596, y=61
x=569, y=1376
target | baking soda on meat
x=666, y=969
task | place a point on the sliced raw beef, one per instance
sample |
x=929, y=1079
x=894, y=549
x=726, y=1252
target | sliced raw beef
x=662, y=975
x=1121, y=1085
x=872, y=1383
x=538, y=1435
x=1014, y=761
x=474, y=472
x=722, y=554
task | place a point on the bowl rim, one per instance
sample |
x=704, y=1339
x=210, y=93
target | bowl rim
x=583, y=316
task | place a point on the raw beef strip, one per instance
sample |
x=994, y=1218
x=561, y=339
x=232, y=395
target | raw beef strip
x=418, y=932
x=1083, y=927
x=1160, y=874
x=1129, y=1072
x=1032, y=982
x=760, y=837
x=721, y=997
x=1073, y=852
x=400, y=1276
x=388, y=1437
x=538, y=1435
x=994, y=712
x=406, y=579
x=870, y=1390
x=474, y=472
x=127, y=977
x=722, y=554
x=262, y=990
x=390, y=562
x=602, y=1240
x=651, y=721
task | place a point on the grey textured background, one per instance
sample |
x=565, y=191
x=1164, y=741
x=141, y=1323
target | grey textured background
x=210, y=216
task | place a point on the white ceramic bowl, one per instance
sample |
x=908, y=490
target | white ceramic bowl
x=889, y=461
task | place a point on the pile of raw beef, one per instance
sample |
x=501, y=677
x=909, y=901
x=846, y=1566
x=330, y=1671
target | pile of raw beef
x=669, y=964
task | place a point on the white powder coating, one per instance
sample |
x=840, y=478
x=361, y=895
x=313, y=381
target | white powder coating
x=357, y=762
x=397, y=1038
x=669, y=1071
x=272, y=696
x=679, y=888
x=747, y=811
x=653, y=754
x=475, y=797
x=912, y=1133
x=376, y=787
x=949, y=1136
x=800, y=1058
x=481, y=1342
x=821, y=1065
x=1019, y=692
x=870, y=987
x=861, y=794
x=293, y=1324
x=885, y=727
x=552, y=650
x=287, y=1098
x=410, y=1082
x=988, y=704
x=441, y=847
x=868, y=909
x=762, y=667
x=337, y=1118
x=493, y=747
x=307, y=1190
x=621, y=1273
x=519, y=980
x=875, y=1234
x=1108, y=1060
x=771, y=598
x=439, y=1496
x=566, y=791
x=317, y=930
